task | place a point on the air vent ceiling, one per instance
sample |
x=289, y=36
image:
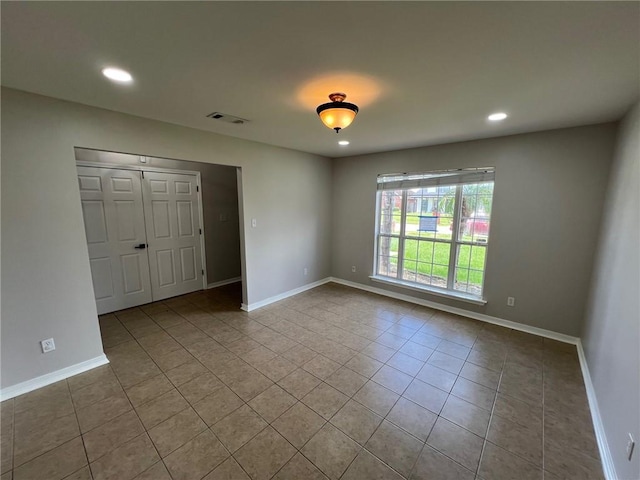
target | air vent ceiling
x=225, y=117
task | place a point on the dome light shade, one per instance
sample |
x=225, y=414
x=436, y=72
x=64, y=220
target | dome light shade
x=337, y=114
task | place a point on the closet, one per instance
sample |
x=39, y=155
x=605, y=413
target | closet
x=144, y=234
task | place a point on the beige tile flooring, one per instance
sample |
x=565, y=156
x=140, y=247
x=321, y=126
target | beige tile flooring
x=333, y=383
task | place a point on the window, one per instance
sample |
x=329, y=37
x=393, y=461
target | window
x=433, y=230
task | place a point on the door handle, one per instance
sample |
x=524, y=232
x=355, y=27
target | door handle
x=141, y=246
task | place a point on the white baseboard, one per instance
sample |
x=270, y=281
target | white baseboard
x=53, y=377
x=603, y=445
x=262, y=303
x=561, y=337
x=224, y=282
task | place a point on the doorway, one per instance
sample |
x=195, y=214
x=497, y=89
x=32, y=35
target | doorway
x=144, y=234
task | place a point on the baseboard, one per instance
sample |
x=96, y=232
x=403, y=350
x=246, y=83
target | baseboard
x=598, y=427
x=224, y=282
x=53, y=377
x=262, y=303
x=464, y=313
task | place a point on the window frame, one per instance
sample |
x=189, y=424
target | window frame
x=454, y=243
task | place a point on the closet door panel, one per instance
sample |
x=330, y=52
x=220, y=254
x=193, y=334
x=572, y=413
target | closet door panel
x=113, y=213
x=173, y=232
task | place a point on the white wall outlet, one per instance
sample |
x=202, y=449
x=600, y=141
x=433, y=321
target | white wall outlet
x=254, y=222
x=305, y=270
x=47, y=345
x=630, y=447
x=353, y=268
x=511, y=301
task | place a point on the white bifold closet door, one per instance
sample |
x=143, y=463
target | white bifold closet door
x=172, y=218
x=143, y=235
x=114, y=225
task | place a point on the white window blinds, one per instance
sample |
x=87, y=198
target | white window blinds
x=403, y=181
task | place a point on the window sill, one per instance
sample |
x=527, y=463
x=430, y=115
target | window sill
x=430, y=290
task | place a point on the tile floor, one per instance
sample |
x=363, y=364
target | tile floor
x=333, y=383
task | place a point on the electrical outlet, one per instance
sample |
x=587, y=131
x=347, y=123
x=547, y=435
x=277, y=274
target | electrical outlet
x=254, y=222
x=353, y=268
x=47, y=345
x=305, y=271
x=630, y=447
x=511, y=301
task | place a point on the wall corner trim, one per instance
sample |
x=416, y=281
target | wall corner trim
x=53, y=377
x=263, y=303
x=603, y=445
x=224, y=282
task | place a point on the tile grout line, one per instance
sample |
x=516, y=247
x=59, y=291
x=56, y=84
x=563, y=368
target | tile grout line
x=518, y=455
x=543, y=410
x=163, y=373
x=75, y=412
x=424, y=446
x=434, y=350
x=449, y=394
x=361, y=447
x=13, y=437
x=208, y=428
x=133, y=409
x=424, y=443
x=231, y=455
x=15, y=467
x=493, y=406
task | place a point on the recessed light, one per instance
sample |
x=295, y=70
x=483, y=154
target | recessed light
x=117, y=75
x=496, y=117
x=344, y=143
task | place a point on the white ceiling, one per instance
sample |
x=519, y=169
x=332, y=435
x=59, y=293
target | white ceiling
x=422, y=73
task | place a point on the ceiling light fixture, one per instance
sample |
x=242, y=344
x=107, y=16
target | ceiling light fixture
x=344, y=143
x=117, y=75
x=496, y=117
x=337, y=114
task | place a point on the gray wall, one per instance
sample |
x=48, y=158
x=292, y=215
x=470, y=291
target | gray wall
x=219, y=197
x=46, y=279
x=611, y=336
x=548, y=197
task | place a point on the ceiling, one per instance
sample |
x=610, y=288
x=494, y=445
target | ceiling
x=422, y=73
